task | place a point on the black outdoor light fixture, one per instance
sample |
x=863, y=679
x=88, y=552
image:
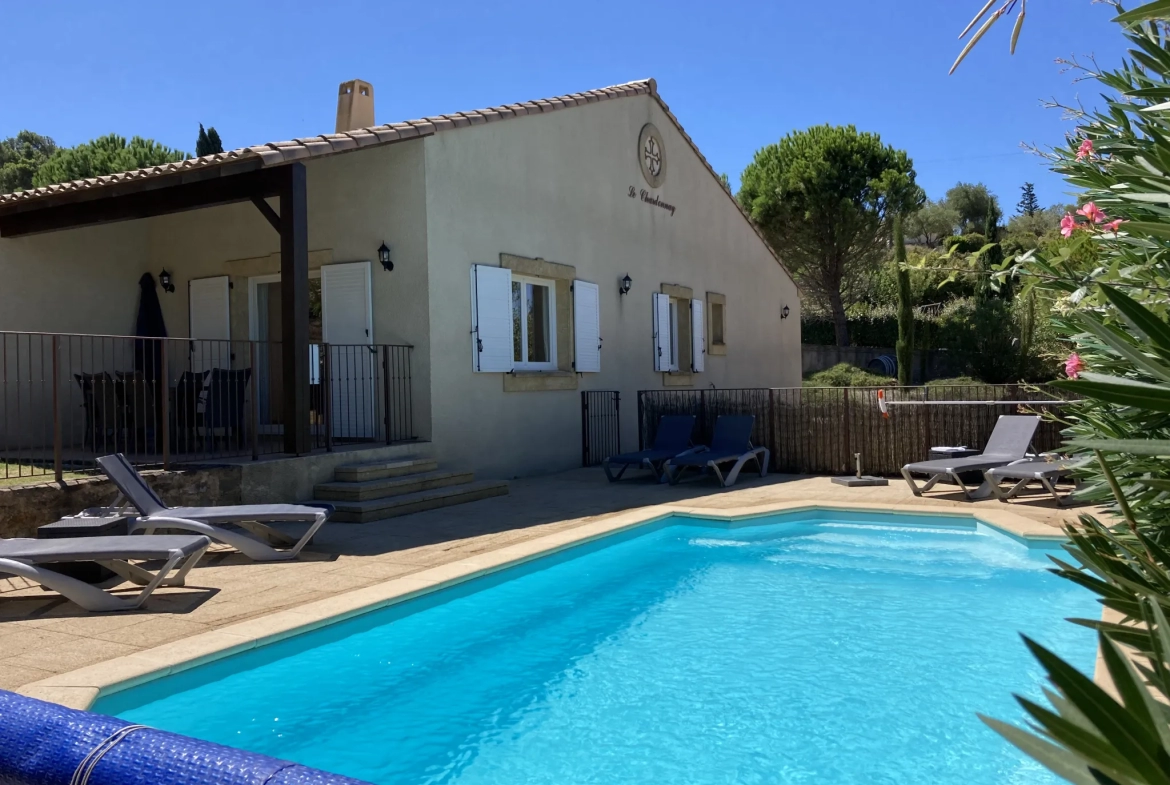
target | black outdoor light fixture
x=784, y=312
x=625, y=284
x=384, y=257
x=164, y=280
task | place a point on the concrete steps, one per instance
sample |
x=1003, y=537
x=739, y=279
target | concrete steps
x=388, y=489
x=360, y=491
x=360, y=472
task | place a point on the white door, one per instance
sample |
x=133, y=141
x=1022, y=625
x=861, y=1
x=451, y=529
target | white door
x=209, y=323
x=347, y=326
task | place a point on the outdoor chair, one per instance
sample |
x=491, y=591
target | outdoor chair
x=104, y=417
x=188, y=399
x=730, y=444
x=672, y=438
x=1010, y=441
x=137, y=396
x=1025, y=472
x=254, y=519
x=179, y=553
x=223, y=405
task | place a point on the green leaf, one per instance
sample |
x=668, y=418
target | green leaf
x=1120, y=343
x=1059, y=761
x=1140, y=318
x=1125, y=732
x=1147, y=227
x=1155, y=448
x=1123, y=392
x=1159, y=9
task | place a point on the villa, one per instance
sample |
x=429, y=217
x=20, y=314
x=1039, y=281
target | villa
x=472, y=275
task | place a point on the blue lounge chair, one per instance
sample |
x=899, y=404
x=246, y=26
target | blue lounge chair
x=672, y=438
x=731, y=443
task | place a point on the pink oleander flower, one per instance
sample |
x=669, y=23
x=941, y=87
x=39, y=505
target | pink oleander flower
x=1112, y=225
x=1086, y=150
x=1094, y=213
x=1068, y=225
x=1073, y=365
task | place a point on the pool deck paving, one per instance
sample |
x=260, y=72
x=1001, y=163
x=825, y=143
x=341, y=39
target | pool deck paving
x=52, y=649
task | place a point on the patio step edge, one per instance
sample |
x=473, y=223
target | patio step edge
x=379, y=470
x=364, y=490
x=420, y=501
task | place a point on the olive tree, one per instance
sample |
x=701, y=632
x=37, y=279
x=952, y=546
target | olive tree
x=825, y=199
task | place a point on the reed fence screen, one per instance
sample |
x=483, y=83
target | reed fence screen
x=817, y=430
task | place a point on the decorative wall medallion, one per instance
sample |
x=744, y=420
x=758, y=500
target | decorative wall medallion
x=652, y=155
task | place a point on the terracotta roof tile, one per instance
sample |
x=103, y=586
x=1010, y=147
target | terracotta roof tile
x=277, y=153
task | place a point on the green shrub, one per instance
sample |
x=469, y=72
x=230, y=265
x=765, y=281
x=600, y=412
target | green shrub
x=846, y=375
x=954, y=381
x=965, y=243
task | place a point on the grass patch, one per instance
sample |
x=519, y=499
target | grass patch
x=14, y=474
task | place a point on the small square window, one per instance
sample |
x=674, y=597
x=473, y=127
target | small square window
x=534, y=324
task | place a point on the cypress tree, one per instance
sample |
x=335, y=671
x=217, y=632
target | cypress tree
x=905, y=346
x=208, y=142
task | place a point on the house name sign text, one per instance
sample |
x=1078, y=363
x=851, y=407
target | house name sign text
x=649, y=198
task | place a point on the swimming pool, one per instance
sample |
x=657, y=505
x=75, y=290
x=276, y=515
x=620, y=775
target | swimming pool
x=817, y=647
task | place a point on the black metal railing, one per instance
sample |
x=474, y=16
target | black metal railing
x=815, y=430
x=67, y=398
x=601, y=428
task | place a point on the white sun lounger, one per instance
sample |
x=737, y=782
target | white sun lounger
x=212, y=521
x=178, y=552
x=1025, y=472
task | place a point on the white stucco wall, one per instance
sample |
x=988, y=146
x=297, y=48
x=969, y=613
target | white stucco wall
x=556, y=186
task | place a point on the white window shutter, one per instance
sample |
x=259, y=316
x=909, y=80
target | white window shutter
x=209, y=321
x=347, y=323
x=661, y=332
x=698, y=337
x=587, y=327
x=491, y=319
x=346, y=316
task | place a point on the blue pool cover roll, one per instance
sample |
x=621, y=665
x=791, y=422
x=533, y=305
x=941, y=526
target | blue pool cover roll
x=45, y=744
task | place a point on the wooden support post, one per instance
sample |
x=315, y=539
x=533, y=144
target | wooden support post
x=57, y=467
x=294, y=301
x=253, y=359
x=165, y=400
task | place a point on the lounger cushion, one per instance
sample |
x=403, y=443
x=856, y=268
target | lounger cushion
x=1032, y=470
x=73, y=549
x=704, y=458
x=643, y=455
x=261, y=513
x=956, y=465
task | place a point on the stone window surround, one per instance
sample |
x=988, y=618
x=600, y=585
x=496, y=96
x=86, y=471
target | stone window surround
x=684, y=295
x=716, y=349
x=562, y=275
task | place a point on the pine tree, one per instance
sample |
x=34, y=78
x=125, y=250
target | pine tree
x=1029, y=204
x=208, y=142
x=905, y=346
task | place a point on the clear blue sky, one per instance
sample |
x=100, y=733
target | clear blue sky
x=738, y=75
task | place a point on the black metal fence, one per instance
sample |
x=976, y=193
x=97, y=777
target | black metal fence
x=67, y=398
x=817, y=430
x=601, y=433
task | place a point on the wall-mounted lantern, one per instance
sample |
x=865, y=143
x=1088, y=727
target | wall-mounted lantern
x=384, y=257
x=164, y=280
x=784, y=312
x=624, y=285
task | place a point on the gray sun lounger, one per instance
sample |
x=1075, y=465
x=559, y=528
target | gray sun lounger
x=1025, y=472
x=1009, y=442
x=178, y=552
x=731, y=443
x=211, y=521
x=672, y=438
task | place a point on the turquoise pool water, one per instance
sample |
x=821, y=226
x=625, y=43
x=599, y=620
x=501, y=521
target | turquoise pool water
x=821, y=648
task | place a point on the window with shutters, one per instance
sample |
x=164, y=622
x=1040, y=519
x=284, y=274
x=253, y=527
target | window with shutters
x=672, y=336
x=534, y=324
